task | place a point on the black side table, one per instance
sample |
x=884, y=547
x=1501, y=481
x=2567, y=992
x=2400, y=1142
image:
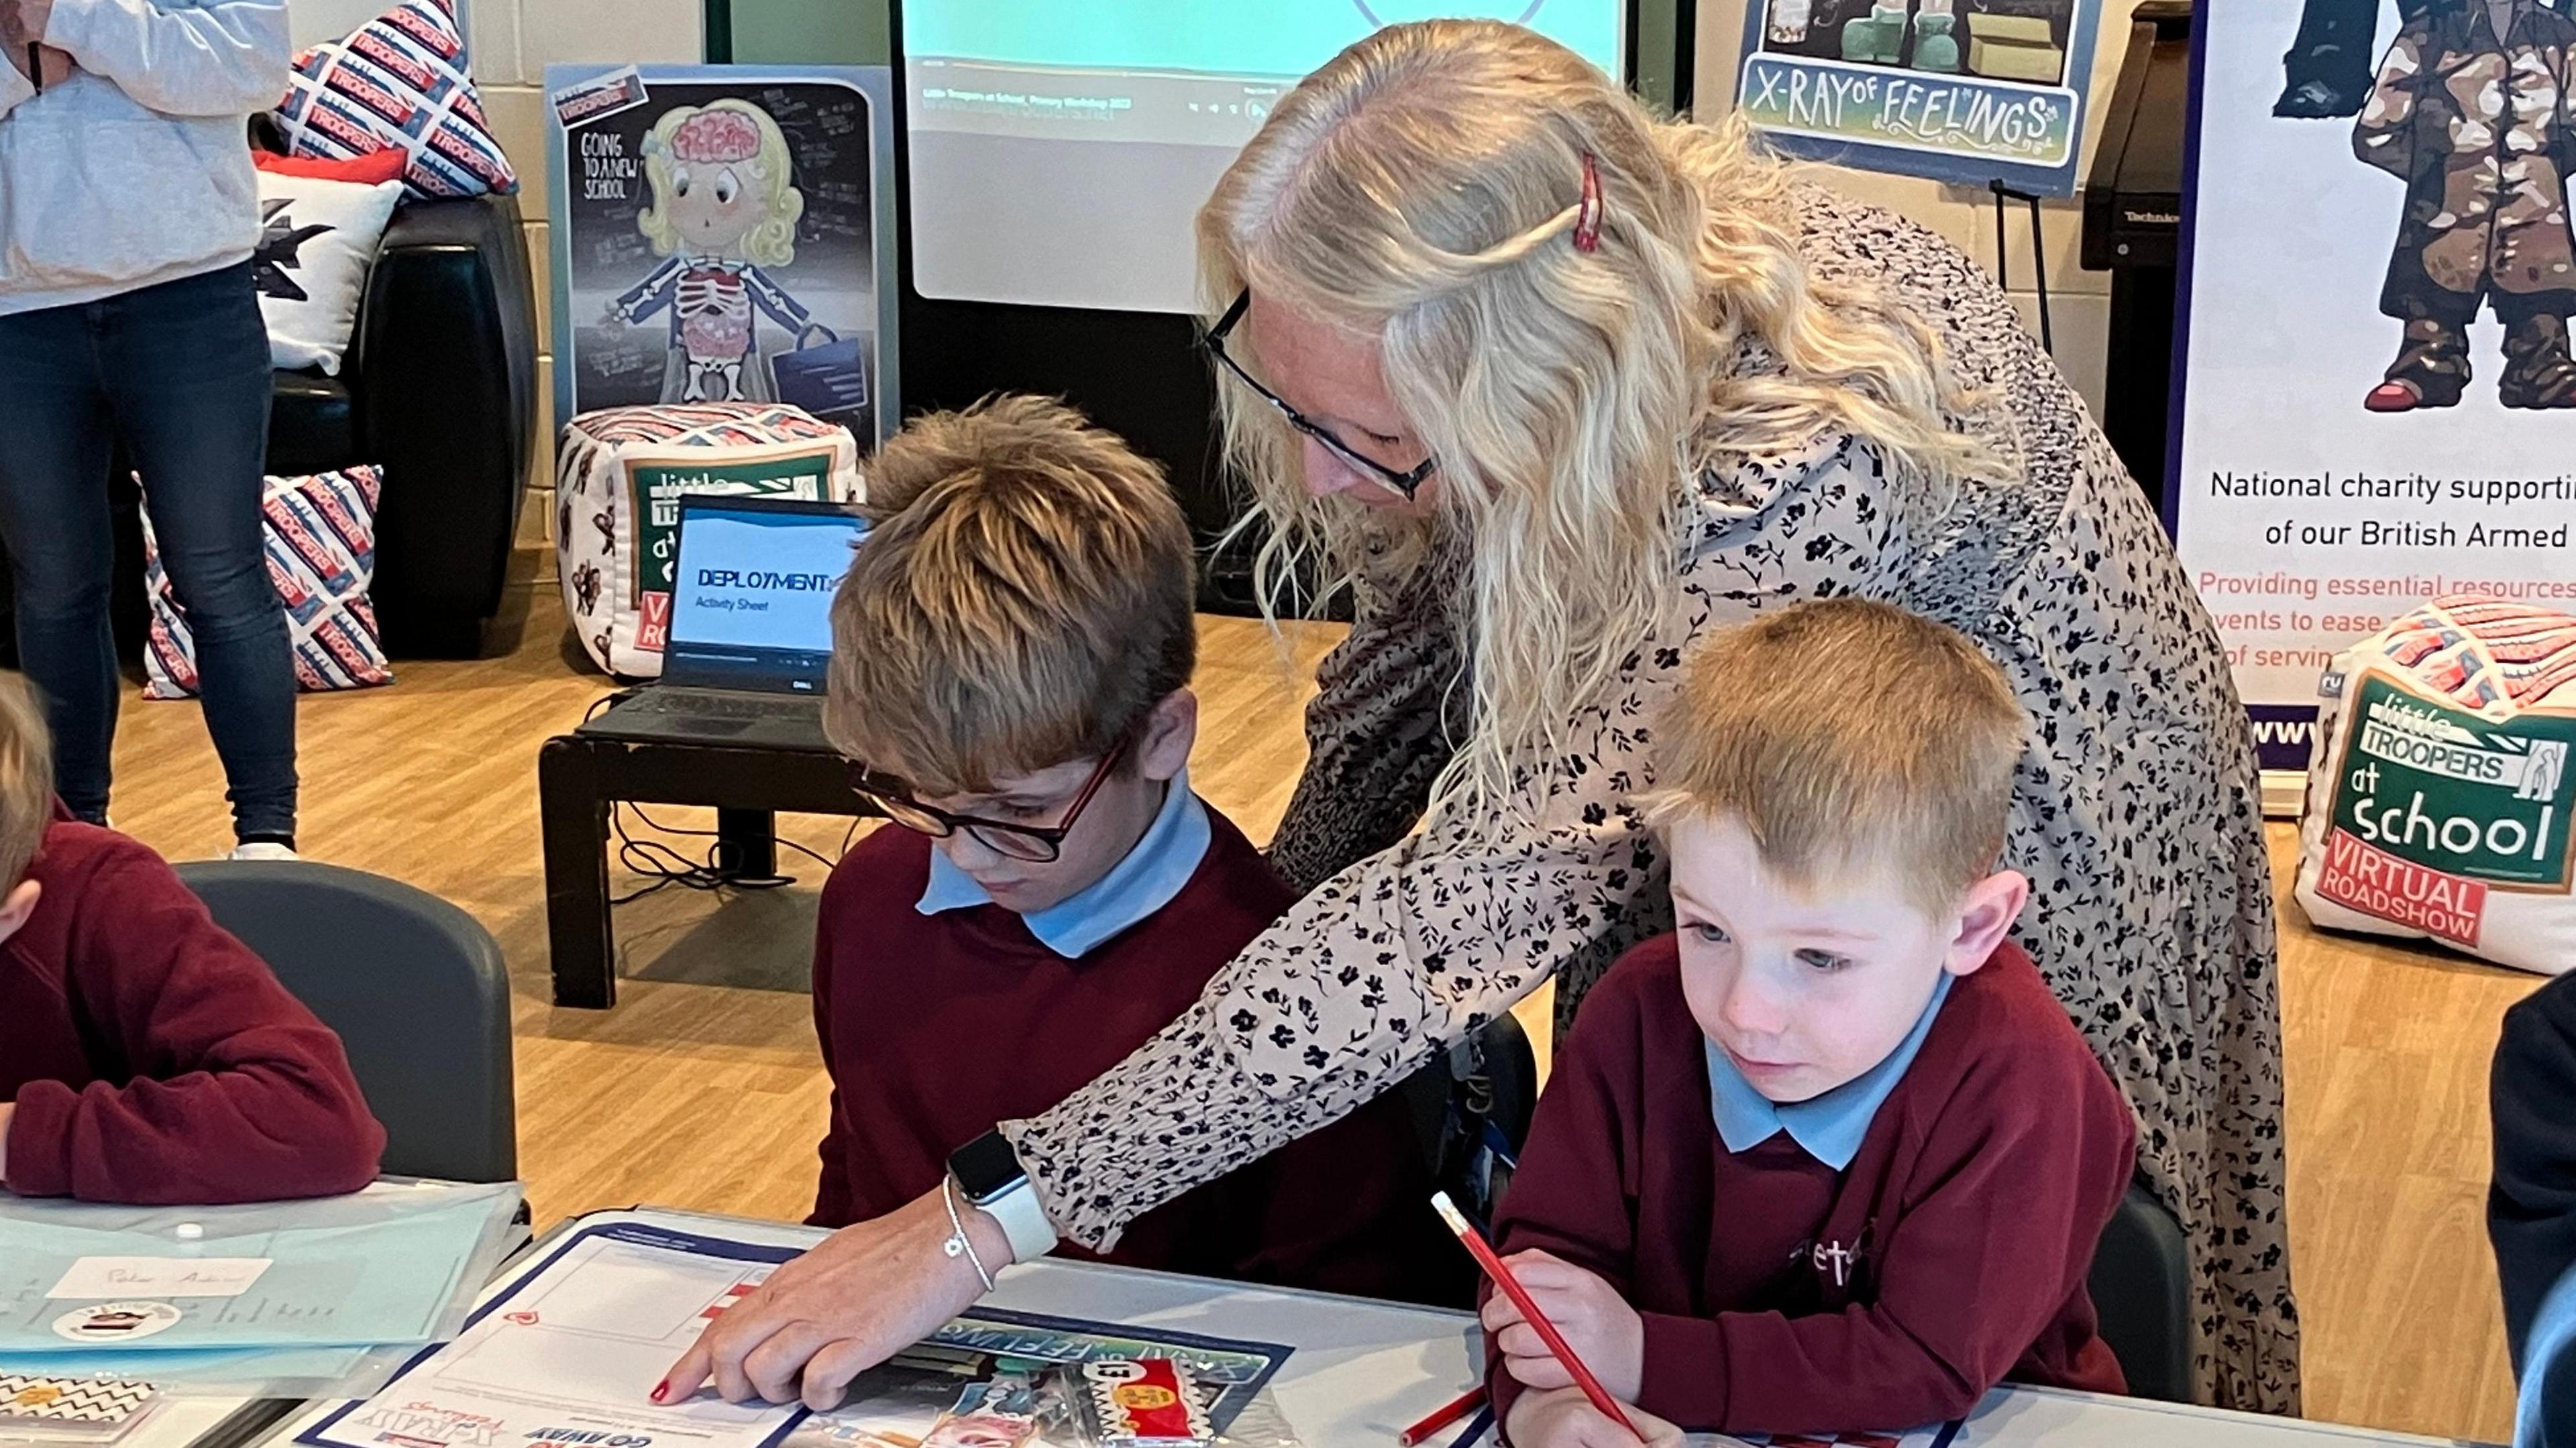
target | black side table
x=578, y=778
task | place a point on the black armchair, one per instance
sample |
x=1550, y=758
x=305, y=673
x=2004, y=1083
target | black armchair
x=438, y=387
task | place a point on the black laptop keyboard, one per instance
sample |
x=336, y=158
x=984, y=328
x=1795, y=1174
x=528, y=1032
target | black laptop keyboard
x=708, y=704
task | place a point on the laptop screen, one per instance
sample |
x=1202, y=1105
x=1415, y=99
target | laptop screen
x=751, y=594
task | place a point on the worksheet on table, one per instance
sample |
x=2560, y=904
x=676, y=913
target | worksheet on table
x=568, y=1354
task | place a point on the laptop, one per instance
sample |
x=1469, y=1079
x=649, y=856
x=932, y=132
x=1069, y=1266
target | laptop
x=751, y=627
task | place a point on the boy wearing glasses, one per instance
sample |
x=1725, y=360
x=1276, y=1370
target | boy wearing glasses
x=1011, y=661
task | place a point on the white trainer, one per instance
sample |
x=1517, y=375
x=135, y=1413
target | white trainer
x=263, y=850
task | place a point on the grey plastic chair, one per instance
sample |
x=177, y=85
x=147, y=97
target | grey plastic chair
x=415, y=987
x=1492, y=1075
x=2141, y=1284
x=1511, y=1071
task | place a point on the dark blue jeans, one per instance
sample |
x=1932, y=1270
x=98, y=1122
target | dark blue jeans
x=179, y=375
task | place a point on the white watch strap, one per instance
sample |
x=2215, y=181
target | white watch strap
x=1023, y=1221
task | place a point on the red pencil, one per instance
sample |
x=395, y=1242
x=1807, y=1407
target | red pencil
x=1483, y=1252
x=1441, y=1417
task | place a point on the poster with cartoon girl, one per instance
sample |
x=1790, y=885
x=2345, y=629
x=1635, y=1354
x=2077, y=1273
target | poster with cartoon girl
x=724, y=207
x=716, y=236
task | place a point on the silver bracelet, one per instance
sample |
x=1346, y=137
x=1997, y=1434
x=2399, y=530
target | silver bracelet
x=957, y=1243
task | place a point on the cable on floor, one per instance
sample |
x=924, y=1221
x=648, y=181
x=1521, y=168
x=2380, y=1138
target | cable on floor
x=667, y=866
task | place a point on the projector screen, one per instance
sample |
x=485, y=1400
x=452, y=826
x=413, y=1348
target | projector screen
x=1059, y=148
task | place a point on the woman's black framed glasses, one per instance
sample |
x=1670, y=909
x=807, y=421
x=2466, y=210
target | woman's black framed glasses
x=1037, y=844
x=1403, y=482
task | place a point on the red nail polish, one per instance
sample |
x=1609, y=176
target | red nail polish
x=661, y=1390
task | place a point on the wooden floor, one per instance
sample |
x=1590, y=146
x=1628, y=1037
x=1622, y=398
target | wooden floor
x=702, y=1088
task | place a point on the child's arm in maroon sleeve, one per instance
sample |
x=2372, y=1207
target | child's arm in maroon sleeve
x=238, y=1093
x=1572, y=1196
x=1968, y=1279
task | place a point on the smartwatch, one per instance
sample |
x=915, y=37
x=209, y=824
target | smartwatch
x=988, y=1176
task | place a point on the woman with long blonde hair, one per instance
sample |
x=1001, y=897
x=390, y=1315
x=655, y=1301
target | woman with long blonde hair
x=1556, y=388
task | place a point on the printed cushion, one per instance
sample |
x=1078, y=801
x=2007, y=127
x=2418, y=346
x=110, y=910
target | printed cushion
x=398, y=83
x=322, y=557
x=620, y=473
x=2441, y=792
x=317, y=240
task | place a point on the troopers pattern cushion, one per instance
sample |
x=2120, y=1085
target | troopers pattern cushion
x=620, y=473
x=321, y=534
x=398, y=83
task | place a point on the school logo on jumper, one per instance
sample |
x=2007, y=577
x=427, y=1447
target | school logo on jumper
x=1829, y=1257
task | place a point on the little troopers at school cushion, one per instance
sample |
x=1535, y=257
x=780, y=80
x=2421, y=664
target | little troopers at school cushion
x=619, y=476
x=2440, y=789
x=321, y=534
x=398, y=83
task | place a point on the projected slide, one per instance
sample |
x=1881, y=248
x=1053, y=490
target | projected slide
x=1060, y=147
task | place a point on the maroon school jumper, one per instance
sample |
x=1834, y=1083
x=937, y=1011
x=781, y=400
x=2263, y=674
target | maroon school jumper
x=936, y=1027
x=153, y=1059
x=1780, y=1295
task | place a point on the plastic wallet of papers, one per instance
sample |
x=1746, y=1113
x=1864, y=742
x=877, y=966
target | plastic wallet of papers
x=277, y=1297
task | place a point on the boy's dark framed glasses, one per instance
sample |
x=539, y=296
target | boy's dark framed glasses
x=1404, y=482
x=1037, y=844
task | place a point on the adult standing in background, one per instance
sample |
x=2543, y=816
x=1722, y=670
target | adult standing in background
x=128, y=213
x=1562, y=388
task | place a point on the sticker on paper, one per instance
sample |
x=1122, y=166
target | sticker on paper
x=116, y=1321
x=160, y=1276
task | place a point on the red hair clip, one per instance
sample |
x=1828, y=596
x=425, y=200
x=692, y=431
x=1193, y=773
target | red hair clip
x=1587, y=214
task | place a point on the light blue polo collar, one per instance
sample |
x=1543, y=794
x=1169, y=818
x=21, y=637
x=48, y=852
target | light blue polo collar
x=1828, y=1127
x=1151, y=877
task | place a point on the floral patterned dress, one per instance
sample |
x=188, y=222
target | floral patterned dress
x=2136, y=816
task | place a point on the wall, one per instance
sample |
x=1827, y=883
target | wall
x=2079, y=301
x=844, y=32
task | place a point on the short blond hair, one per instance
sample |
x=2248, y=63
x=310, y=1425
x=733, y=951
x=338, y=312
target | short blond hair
x=26, y=777
x=1024, y=599
x=1843, y=733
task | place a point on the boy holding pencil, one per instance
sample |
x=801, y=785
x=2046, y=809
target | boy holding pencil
x=1831, y=1157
